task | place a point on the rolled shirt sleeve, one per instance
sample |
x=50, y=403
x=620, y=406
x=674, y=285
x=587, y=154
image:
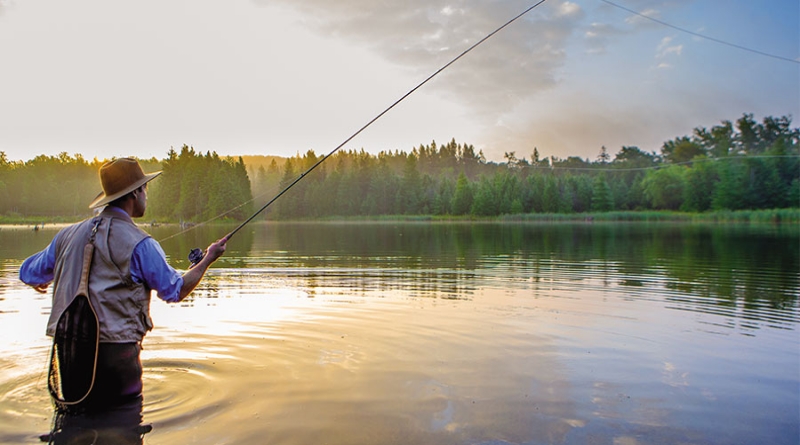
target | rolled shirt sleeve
x=149, y=266
x=38, y=268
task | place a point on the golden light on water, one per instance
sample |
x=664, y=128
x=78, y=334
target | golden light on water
x=505, y=346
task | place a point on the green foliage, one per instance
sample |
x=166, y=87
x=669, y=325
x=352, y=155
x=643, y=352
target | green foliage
x=794, y=193
x=701, y=181
x=552, y=195
x=48, y=186
x=601, y=195
x=462, y=196
x=747, y=137
x=197, y=187
x=192, y=187
x=485, y=202
x=583, y=190
x=664, y=187
x=681, y=150
x=409, y=195
x=743, y=166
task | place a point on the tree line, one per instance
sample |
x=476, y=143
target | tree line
x=197, y=187
x=192, y=187
x=732, y=166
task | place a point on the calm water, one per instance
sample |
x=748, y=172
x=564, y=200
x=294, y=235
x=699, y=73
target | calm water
x=453, y=334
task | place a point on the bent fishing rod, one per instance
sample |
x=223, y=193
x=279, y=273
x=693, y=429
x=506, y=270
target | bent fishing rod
x=197, y=254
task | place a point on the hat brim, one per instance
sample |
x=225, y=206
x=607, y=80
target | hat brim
x=103, y=199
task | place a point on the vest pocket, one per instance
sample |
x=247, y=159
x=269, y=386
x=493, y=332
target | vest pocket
x=147, y=322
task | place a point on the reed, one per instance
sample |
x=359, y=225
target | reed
x=631, y=216
x=758, y=216
x=772, y=216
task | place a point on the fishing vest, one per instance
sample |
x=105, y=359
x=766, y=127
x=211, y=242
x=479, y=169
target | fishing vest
x=122, y=306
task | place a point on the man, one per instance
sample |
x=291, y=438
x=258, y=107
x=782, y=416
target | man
x=126, y=265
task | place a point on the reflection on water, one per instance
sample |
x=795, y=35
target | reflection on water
x=119, y=425
x=453, y=333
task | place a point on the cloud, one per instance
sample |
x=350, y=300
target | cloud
x=621, y=23
x=665, y=49
x=531, y=84
x=599, y=35
x=639, y=21
x=568, y=9
x=422, y=35
x=676, y=50
x=5, y=5
x=567, y=130
x=515, y=65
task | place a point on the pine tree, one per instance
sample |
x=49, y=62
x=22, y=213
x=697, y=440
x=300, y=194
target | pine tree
x=462, y=197
x=602, y=201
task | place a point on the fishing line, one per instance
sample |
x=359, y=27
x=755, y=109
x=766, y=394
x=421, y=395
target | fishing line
x=194, y=255
x=302, y=175
x=733, y=45
x=223, y=214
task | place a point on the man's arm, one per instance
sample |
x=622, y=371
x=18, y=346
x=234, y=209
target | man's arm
x=37, y=270
x=149, y=266
x=192, y=277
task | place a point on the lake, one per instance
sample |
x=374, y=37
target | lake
x=452, y=333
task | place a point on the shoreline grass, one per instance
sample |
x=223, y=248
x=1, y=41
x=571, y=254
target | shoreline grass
x=772, y=216
x=769, y=216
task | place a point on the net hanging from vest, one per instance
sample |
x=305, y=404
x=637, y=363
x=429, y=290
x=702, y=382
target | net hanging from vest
x=73, y=358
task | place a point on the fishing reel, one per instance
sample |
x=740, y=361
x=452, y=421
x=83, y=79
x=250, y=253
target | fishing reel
x=195, y=256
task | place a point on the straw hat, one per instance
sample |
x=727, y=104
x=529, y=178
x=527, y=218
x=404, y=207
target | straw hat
x=118, y=178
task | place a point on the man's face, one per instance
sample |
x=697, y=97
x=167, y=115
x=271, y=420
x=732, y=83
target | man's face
x=140, y=204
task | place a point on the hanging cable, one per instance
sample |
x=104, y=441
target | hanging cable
x=733, y=45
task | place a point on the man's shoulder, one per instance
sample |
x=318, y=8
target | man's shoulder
x=121, y=216
x=70, y=230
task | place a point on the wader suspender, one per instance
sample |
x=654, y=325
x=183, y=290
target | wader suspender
x=76, y=342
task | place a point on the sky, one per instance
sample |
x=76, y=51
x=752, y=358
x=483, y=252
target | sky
x=105, y=78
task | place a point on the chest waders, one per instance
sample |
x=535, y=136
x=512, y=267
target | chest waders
x=73, y=358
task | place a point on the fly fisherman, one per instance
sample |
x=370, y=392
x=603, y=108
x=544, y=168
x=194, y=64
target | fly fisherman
x=125, y=265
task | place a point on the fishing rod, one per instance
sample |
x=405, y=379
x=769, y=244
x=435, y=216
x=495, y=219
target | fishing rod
x=196, y=254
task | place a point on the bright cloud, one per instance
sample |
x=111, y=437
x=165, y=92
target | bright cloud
x=282, y=76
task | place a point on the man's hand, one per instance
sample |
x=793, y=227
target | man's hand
x=193, y=276
x=41, y=288
x=216, y=249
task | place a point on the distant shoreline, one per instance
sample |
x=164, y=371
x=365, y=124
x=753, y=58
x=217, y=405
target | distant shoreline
x=773, y=216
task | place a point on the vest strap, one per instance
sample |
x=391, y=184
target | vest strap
x=73, y=358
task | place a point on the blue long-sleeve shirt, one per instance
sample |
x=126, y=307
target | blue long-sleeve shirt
x=148, y=265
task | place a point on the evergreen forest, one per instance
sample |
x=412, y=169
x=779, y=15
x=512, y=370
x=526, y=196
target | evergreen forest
x=739, y=165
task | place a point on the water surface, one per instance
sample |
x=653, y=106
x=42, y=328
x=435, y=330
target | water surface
x=453, y=333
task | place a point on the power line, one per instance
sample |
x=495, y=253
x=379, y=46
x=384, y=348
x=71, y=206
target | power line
x=733, y=45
